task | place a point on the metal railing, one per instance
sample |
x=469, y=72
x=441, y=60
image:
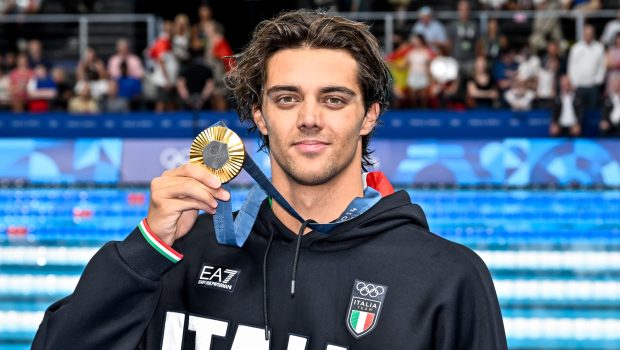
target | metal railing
x=84, y=22
x=390, y=18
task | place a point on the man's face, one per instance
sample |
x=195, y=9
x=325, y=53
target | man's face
x=313, y=114
x=552, y=49
x=463, y=8
x=122, y=47
x=588, y=33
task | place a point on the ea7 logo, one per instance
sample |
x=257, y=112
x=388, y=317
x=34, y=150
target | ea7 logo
x=218, y=277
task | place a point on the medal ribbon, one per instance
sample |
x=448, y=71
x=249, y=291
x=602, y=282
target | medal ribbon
x=235, y=232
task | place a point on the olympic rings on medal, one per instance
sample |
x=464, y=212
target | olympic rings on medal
x=369, y=289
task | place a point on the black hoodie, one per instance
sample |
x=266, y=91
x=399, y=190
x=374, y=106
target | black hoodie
x=378, y=281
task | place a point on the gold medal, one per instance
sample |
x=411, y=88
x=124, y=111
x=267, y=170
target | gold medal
x=220, y=151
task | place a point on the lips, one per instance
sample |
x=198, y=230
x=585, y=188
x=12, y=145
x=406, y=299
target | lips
x=310, y=146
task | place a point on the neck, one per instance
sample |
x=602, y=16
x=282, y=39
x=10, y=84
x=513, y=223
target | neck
x=322, y=203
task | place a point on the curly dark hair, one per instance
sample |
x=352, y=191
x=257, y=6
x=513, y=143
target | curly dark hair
x=313, y=29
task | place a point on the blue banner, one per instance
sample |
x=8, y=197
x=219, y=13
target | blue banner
x=497, y=162
x=474, y=124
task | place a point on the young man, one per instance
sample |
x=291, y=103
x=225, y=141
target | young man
x=314, y=86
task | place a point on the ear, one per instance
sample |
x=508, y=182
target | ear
x=259, y=120
x=370, y=119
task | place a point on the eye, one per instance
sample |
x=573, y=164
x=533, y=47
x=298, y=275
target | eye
x=286, y=100
x=335, y=101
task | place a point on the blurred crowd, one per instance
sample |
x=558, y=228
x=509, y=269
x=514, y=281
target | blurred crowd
x=455, y=65
x=182, y=69
x=435, y=64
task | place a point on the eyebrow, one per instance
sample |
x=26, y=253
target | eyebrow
x=325, y=90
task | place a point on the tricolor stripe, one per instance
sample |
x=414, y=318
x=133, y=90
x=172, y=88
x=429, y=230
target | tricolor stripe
x=158, y=244
x=361, y=321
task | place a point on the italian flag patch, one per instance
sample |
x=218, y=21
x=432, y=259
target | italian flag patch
x=361, y=321
x=367, y=300
x=158, y=244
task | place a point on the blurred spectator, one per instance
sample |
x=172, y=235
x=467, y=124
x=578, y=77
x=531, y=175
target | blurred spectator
x=90, y=70
x=90, y=67
x=400, y=8
x=163, y=42
x=165, y=71
x=504, y=70
x=445, y=82
x=19, y=78
x=431, y=29
x=529, y=65
x=481, y=89
x=218, y=50
x=123, y=54
x=20, y=6
x=519, y=97
x=612, y=28
x=492, y=43
x=464, y=36
x=5, y=92
x=83, y=103
x=568, y=111
x=35, y=54
x=128, y=87
x=195, y=84
x=586, y=68
x=115, y=103
x=41, y=90
x=397, y=62
x=546, y=28
x=205, y=14
x=610, y=119
x=492, y=4
x=518, y=5
x=61, y=101
x=612, y=59
x=553, y=54
x=547, y=78
x=9, y=62
x=199, y=39
x=181, y=39
x=582, y=5
x=418, y=75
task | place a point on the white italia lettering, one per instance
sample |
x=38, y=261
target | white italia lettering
x=250, y=338
x=205, y=329
x=173, y=331
x=296, y=343
x=334, y=347
x=246, y=337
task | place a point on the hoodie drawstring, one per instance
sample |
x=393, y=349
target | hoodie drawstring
x=266, y=256
x=299, y=236
x=265, y=283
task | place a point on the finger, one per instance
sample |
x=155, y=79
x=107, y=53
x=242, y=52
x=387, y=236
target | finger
x=220, y=193
x=182, y=187
x=188, y=203
x=197, y=172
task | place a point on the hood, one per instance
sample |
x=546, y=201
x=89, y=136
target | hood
x=391, y=211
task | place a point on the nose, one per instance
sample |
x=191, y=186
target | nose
x=309, y=115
